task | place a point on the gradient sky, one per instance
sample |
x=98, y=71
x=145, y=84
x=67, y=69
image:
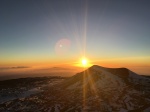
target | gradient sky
x=108, y=32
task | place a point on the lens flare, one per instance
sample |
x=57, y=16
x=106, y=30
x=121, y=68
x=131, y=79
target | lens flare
x=62, y=47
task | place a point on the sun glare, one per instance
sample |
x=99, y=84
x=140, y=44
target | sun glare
x=84, y=62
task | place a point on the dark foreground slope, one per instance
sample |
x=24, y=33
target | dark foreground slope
x=95, y=89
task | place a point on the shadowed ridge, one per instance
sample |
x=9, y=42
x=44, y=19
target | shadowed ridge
x=106, y=68
x=121, y=72
x=125, y=74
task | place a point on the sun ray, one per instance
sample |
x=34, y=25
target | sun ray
x=92, y=85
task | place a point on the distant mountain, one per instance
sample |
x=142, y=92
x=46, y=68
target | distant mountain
x=116, y=89
x=118, y=75
x=97, y=89
x=14, y=67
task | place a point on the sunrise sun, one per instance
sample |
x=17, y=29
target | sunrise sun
x=84, y=62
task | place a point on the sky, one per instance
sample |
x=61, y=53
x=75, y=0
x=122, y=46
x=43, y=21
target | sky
x=111, y=33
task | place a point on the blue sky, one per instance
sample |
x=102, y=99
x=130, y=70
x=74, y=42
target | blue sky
x=102, y=29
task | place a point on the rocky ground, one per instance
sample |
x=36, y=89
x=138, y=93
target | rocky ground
x=96, y=89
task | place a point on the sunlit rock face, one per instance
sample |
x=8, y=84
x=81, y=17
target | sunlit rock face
x=95, y=89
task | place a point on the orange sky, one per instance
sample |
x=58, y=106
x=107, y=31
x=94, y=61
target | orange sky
x=139, y=65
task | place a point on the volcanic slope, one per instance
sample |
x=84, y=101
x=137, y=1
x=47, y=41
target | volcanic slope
x=110, y=89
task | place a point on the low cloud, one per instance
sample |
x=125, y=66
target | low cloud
x=15, y=67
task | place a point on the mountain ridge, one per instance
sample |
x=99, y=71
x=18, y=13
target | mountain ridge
x=130, y=90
